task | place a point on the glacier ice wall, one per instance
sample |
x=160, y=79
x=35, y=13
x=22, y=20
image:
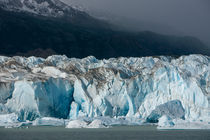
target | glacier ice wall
x=64, y=87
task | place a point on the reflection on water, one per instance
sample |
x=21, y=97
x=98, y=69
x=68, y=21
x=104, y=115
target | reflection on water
x=114, y=133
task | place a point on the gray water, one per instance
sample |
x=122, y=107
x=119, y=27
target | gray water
x=114, y=133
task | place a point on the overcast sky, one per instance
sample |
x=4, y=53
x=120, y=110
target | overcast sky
x=191, y=17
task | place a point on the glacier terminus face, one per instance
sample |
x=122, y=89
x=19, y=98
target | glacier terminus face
x=105, y=92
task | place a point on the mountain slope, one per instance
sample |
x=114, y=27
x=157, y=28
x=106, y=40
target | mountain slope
x=40, y=7
x=26, y=33
x=50, y=8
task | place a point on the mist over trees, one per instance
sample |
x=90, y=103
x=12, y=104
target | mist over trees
x=185, y=17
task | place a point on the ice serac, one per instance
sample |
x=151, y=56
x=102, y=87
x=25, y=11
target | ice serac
x=53, y=97
x=126, y=89
x=6, y=91
x=77, y=124
x=172, y=109
x=165, y=121
x=8, y=119
x=48, y=121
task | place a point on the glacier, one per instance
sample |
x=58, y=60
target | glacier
x=121, y=90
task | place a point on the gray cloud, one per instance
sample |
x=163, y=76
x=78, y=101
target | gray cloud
x=191, y=17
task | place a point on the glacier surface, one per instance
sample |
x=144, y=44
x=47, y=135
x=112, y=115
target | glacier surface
x=116, y=90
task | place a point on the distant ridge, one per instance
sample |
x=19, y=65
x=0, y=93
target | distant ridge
x=26, y=33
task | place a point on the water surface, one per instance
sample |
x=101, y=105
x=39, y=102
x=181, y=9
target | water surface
x=114, y=133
